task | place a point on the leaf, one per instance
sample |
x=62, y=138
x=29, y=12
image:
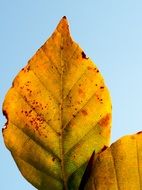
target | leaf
x=58, y=111
x=118, y=167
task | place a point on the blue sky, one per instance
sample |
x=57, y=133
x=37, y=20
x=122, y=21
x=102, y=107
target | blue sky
x=109, y=31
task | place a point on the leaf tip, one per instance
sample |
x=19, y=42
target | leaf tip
x=63, y=26
x=64, y=17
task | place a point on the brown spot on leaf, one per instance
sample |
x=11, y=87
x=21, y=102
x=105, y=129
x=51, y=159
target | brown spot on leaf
x=104, y=148
x=26, y=69
x=94, y=69
x=84, y=112
x=5, y=114
x=101, y=87
x=105, y=121
x=78, y=102
x=89, y=68
x=53, y=159
x=83, y=55
x=140, y=132
x=59, y=134
x=80, y=91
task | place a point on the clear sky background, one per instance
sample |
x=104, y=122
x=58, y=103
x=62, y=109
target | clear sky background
x=109, y=31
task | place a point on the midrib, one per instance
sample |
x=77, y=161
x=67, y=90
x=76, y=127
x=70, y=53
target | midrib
x=65, y=187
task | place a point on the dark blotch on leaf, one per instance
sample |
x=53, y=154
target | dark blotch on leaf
x=140, y=132
x=83, y=55
x=59, y=134
x=101, y=87
x=5, y=114
x=104, y=148
x=53, y=159
x=84, y=112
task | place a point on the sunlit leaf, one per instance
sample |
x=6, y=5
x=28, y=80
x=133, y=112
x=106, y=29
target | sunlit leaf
x=58, y=111
x=118, y=167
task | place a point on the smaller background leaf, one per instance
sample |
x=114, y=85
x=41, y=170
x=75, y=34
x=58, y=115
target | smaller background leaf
x=118, y=167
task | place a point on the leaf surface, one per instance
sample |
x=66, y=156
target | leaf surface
x=118, y=167
x=58, y=111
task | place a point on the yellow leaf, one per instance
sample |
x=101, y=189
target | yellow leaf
x=58, y=112
x=118, y=167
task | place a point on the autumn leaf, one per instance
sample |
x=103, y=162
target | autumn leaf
x=58, y=112
x=118, y=167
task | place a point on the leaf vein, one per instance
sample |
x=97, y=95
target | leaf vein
x=76, y=83
x=34, y=110
x=45, y=148
x=84, y=137
x=75, y=113
x=58, y=71
x=45, y=173
x=40, y=81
